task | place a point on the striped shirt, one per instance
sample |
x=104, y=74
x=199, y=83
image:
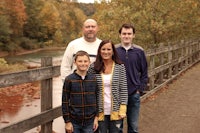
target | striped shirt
x=119, y=91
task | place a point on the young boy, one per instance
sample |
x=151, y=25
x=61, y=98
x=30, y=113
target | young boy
x=79, y=98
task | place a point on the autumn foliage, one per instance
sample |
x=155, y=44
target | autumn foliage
x=32, y=24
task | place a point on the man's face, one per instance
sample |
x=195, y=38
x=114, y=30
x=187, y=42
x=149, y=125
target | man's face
x=90, y=30
x=127, y=36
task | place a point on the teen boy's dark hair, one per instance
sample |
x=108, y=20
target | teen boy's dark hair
x=127, y=26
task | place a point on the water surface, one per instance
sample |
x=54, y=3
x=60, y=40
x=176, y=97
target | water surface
x=33, y=107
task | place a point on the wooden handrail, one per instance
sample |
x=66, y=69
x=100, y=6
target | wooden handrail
x=165, y=63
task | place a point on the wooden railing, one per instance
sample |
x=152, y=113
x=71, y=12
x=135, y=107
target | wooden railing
x=165, y=63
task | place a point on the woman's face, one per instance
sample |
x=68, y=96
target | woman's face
x=106, y=51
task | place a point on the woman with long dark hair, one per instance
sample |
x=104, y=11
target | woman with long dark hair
x=112, y=94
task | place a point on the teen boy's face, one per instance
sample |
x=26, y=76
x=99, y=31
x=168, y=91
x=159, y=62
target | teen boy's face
x=82, y=63
x=127, y=36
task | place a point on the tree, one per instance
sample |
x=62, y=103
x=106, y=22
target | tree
x=156, y=21
x=15, y=10
x=33, y=27
x=72, y=19
x=12, y=19
x=5, y=32
x=50, y=19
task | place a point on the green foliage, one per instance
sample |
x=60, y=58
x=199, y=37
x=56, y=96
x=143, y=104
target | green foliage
x=28, y=44
x=10, y=47
x=50, y=20
x=6, y=68
x=72, y=19
x=3, y=62
x=31, y=24
x=88, y=9
x=4, y=24
x=58, y=38
x=5, y=30
x=155, y=21
x=15, y=12
x=33, y=28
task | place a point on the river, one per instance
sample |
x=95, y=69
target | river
x=33, y=107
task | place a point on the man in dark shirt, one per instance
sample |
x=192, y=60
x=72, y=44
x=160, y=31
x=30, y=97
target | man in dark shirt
x=135, y=62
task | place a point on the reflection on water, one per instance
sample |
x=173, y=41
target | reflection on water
x=35, y=57
x=33, y=107
x=21, y=113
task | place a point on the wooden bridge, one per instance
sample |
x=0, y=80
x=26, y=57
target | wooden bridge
x=165, y=64
x=174, y=108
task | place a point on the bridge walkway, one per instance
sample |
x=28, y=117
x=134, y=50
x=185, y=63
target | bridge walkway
x=175, y=108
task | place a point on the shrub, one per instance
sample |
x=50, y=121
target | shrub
x=6, y=68
x=28, y=44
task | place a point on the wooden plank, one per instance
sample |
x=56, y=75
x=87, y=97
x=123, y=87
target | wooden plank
x=27, y=76
x=46, y=94
x=32, y=122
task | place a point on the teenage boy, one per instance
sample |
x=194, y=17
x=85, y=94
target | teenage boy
x=134, y=59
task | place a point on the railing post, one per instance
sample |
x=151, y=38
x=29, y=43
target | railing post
x=195, y=49
x=46, y=95
x=152, y=78
x=198, y=49
x=170, y=61
x=187, y=54
x=182, y=54
x=176, y=51
x=161, y=74
x=190, y=52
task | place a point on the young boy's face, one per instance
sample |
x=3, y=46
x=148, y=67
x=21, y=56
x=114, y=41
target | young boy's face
x=82, y=63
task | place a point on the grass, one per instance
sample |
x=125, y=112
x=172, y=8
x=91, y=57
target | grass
x=9, y=68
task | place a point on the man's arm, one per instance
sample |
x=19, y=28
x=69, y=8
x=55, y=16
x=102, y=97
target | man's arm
x=144, y=72
x=67, y=62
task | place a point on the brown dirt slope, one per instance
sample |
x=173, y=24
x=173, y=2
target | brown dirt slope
x=176, y=109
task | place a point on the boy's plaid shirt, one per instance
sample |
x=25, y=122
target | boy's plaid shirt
x=79, y=99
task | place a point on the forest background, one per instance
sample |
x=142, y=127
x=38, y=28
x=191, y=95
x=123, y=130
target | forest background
x=34, y=24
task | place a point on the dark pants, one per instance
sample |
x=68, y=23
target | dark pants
x=108, y=126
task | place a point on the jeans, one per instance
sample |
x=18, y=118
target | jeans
x=108, y=126
x=83, y=129
x=133, y=109
x=133, y=112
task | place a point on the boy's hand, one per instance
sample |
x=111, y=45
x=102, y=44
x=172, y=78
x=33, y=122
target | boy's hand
x=69, y=127
x=95, y=126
